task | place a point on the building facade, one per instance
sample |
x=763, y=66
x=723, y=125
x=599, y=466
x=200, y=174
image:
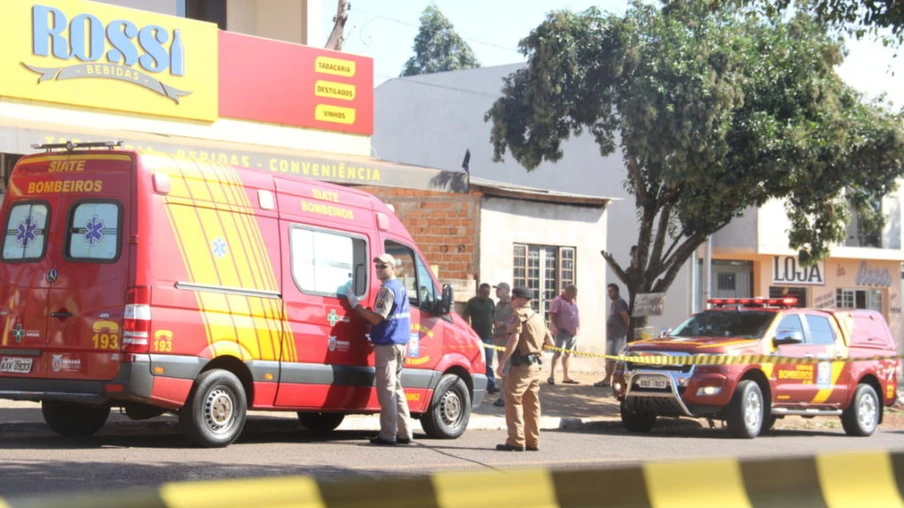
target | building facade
x=498, y=232
x=751, y=257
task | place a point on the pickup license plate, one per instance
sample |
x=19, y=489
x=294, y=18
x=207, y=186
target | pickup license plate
x=16, y=365
x=653, y=382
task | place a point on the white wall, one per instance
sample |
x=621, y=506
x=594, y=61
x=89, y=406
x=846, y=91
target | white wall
x=740, y=234
x=504, y=222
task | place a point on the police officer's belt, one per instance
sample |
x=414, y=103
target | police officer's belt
x=529, y=359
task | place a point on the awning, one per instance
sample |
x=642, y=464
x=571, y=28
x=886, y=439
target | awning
x=331, y=167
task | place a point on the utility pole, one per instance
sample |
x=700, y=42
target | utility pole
x=337, y=35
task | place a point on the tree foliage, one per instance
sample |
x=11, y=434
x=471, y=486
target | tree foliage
x=437, y=47
x=855, y=16
x=714, y=111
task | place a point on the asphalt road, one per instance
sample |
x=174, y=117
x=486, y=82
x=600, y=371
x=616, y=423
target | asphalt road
x=54, y=465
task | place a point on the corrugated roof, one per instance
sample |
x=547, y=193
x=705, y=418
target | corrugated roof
x=504, y=189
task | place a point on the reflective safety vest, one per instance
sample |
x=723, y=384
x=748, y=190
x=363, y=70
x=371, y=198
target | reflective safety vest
x=396, y=328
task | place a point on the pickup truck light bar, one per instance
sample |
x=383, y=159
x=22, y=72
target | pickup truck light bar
x=753, y=302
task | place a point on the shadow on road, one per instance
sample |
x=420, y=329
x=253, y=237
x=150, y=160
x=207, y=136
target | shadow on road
x=669, y=428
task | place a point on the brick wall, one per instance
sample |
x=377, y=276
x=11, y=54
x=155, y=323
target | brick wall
x=444, y=225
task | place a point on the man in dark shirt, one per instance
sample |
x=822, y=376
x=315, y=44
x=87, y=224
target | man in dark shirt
x=617, y=325
x=479, y=311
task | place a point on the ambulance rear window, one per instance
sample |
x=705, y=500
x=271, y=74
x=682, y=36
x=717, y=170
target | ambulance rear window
x=25, y=232
x=94, y=232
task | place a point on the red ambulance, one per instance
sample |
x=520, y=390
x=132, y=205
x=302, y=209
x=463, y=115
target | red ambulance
x=156, y=283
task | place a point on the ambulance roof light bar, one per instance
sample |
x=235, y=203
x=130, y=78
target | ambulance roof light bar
x=70, y=146
x=784, y=302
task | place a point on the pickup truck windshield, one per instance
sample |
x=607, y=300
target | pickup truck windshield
x=725, y=323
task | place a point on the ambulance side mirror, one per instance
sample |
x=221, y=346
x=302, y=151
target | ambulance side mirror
x=786, y=337
x=445, y=305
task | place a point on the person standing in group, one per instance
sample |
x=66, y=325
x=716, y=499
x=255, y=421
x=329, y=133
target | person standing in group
x=501, y=318
x=527, y=336
x=617, y=324
x=565, y=323
x=479, y=312
x=390, y=333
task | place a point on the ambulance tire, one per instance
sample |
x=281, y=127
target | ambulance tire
x=71, y=419
x=320, y=423
x=862, y=417
x=747, y=411
x=214, y=414
x=636, y=421
x=450, y=409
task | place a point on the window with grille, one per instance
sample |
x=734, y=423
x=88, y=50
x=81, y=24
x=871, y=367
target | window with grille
x=858, y=299
x=545, y=269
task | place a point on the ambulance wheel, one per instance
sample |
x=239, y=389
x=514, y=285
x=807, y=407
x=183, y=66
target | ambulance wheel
x=862, y=417
x=746, y=411
x=320, y=422
x=450, y=409
x=636, y=421
x=214, y=414
x=71, y=419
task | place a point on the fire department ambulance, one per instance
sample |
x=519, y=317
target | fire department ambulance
x=154, y=283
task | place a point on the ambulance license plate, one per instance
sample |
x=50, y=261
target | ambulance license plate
x=16, y=365
x=653, y=382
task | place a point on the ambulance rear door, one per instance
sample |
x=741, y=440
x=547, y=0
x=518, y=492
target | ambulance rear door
x=89, y=260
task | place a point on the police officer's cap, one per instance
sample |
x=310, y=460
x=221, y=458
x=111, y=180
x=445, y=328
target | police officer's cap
x=522, y=292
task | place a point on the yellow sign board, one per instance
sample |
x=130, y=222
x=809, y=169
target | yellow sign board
x=103, y=56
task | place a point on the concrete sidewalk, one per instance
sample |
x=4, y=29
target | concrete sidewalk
x=563, y=406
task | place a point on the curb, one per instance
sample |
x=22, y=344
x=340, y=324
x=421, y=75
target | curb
x=259, y=425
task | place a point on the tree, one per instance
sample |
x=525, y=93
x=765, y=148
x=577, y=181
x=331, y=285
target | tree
x=714, y=111
x=437, y=48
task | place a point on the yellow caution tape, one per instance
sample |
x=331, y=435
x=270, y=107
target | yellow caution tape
x=653, y=358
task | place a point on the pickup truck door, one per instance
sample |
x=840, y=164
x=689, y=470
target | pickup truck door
x=833, y=378
x=795, y=384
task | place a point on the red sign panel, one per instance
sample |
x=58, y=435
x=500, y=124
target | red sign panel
x=277, y=82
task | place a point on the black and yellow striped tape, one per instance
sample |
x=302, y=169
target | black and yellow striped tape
x=858, y=479
x=712, y=359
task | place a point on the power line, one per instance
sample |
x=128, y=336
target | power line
x=407, y=79
x=413, y=25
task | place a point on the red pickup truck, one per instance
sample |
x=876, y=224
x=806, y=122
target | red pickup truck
x=750, y=396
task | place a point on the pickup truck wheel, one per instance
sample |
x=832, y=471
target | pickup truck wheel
x=862, y=417
x=746, y=411
x=320, y=423
x=450, y=409
x=214, y=414
x=71, y=419
x=768, y=423
x=637, y=421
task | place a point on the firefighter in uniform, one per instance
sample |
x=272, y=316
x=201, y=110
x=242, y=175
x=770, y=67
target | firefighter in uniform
x=522, y=382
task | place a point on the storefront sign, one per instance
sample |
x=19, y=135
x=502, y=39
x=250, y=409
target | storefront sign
x=786, y=270
x=295, y=85
x=102, y=56
x=873, y=277
x=320, y=166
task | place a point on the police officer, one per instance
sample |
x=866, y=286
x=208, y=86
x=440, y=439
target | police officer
x=522, y=382
x=390, y=332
